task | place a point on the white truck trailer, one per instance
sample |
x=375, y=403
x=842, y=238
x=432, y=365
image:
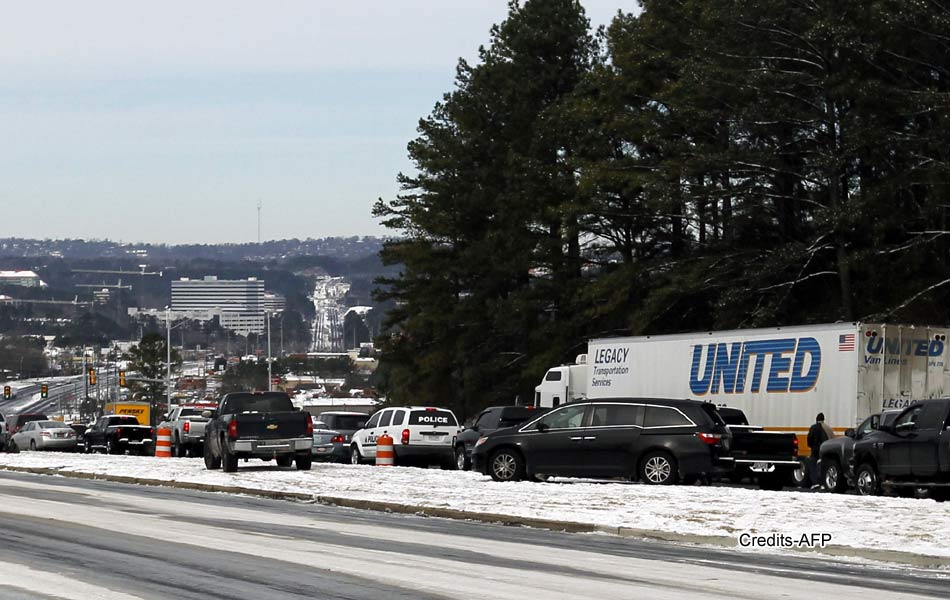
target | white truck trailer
x=780, y=377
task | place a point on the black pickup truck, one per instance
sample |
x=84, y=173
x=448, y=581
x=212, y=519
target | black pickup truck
x=768, y=457
x=114, y=434
x=835, y=454
x=912, y=452
x=257, y=425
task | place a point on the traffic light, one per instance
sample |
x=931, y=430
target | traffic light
x=7, y=392
x=44, y=391
x=121, y=378
x=92, y=377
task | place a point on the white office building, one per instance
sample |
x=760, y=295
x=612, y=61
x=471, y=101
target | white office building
x=240, y=304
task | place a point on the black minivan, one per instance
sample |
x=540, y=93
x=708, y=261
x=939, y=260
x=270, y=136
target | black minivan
x=656, y=441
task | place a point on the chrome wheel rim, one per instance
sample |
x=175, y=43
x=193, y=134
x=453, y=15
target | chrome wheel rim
x=354, y=457
x=460, y=459
x=657, y=469
x=865, y=483
x=831, y=477
x=504, y=466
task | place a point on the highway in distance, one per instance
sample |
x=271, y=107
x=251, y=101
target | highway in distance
x=78, y=539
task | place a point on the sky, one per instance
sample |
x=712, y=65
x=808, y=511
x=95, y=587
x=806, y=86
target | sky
x=167, y=122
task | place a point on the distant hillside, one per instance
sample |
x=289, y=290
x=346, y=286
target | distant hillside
x=342, y=248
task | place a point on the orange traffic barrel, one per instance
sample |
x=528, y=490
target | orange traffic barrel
x=384, y=451
x=163, y=442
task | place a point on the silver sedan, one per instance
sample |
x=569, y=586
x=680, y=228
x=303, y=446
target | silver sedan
x=45, y=435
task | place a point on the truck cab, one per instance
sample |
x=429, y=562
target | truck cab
x=913, y=451
x=563, y=384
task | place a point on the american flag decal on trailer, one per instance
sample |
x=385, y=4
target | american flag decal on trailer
x=846, y=342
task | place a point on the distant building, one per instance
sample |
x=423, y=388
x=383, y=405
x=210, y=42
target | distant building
x=23, y=278
x=239, y=303
x=101, y=296
x=274, y=303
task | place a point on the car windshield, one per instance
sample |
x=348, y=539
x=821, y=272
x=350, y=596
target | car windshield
x=191, y=412
x=269, y=402
x=51, y=425
x=353, y=422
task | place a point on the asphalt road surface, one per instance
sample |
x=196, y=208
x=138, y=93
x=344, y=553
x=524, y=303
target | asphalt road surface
x=86, y=540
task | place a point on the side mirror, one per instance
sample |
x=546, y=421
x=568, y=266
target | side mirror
x=876, y=422
x=542, y=426
x=849, y=432
x=166, y=416
x=207, y=414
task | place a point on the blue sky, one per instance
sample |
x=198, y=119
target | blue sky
x=168, y=122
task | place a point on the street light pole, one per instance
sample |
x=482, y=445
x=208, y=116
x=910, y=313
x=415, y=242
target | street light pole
x=270, y=382
x=168, y=362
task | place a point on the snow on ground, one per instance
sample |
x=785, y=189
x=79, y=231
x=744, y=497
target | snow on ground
x=898, y=524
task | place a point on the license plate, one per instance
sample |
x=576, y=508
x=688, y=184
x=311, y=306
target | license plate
x=762, y=467
x=321, y=450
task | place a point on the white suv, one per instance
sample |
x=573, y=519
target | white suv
x=421, y=435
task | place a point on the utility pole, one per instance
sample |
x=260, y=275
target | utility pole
x=168, y=361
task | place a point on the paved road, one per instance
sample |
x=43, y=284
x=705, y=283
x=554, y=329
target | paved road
x=79, y=539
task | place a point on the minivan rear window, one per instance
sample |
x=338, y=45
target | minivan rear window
x=662, y=416
x=432, y=417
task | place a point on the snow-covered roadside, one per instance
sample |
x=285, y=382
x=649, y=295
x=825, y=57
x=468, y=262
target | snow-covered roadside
x=895, y=524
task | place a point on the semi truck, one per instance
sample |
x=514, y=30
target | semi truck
x=780, y=377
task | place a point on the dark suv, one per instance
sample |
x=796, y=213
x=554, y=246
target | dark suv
x=489, y=420
x=658, y=442
x=15, y=422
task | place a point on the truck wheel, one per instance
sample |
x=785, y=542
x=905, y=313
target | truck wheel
x=177, y=450
x=211, y=461
x=831, y=476
x=506, y=465
x=304, y=462
x=462, y=463
x=800, y=476
x=285, y=460
x=866, y=480
x=111, y=447
x=658, y=468
x=229, y=462
x=87, y=447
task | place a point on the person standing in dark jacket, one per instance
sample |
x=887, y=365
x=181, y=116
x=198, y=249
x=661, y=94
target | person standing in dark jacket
x=817, y=435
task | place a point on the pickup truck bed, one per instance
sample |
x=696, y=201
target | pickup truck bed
x=769, y=457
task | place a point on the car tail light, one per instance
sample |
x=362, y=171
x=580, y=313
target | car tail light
x=405, y=436
x=232, y=429
x=795, y=449
x=44, y=433
x=186, y=426
x=309, y=426
x=710, y=438
x=430, y=409
x=118, y=431
x=337, y=439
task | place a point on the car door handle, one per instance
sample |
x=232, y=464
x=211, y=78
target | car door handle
x=576, y=439
x=592, y=437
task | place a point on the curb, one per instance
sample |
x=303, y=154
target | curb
x=889, y=556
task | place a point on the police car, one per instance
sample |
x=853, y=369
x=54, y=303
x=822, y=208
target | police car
x=421, y=435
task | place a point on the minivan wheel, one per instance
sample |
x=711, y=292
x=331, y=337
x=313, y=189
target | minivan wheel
x=866, y=480
x=658, y=468
x=506, y=465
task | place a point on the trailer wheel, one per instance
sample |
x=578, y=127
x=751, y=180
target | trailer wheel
x=866, y=480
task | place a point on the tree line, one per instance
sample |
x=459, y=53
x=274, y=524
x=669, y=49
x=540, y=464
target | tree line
x=694, y=165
